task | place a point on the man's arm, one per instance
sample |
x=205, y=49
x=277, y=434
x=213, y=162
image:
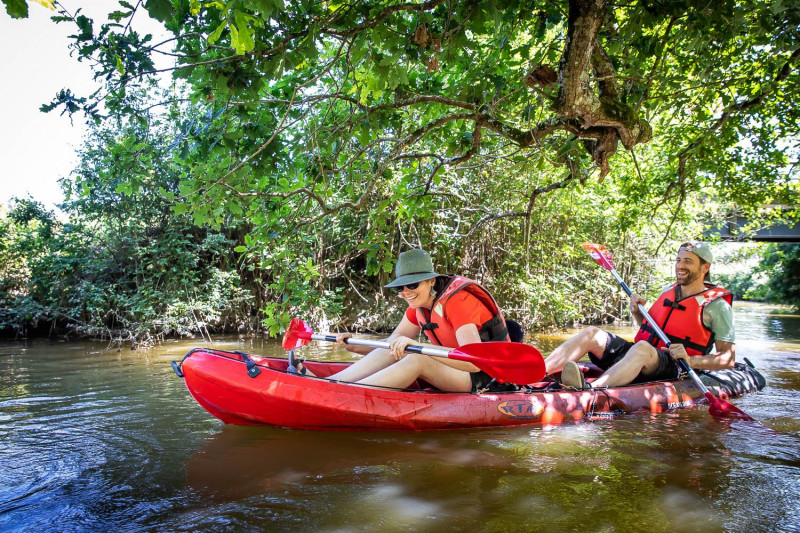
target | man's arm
x=724, y=357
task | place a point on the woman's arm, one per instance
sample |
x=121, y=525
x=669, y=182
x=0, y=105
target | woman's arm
x=406, y=329
x=466, y=334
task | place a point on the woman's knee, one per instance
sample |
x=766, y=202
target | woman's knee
x=415, y=360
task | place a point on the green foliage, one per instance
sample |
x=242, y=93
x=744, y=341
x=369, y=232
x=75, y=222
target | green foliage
x=783, y=265
x=322, y=139
x=774, y=277
x=123, y=266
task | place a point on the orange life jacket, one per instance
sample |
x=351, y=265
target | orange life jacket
x=439, y=330
x=682, y=319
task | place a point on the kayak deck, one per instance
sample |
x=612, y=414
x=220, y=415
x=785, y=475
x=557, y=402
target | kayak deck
x=269, y=395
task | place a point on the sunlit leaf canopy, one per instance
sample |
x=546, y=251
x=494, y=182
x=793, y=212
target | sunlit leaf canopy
x=336, y=130
x=327, y=104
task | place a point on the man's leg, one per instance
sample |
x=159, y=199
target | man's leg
x=641, y=358
x=591, y=339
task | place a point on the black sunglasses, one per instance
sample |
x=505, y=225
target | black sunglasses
x=410, y=286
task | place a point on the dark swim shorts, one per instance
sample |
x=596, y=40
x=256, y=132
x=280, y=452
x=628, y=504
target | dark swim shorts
x=481, y=381
x=617, y=347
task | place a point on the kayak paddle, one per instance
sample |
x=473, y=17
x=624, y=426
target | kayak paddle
x=511, y=362
x=717, y=407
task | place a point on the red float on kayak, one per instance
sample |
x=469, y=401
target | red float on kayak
x=254, y=390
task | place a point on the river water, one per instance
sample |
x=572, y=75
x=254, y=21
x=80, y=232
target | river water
x=93, y=439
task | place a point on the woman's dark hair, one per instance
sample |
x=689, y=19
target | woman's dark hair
x=441, y=283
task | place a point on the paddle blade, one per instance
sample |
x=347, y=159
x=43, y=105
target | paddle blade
x=511, y=362
x=722, y=409
x=298, y=334
x=600, y=254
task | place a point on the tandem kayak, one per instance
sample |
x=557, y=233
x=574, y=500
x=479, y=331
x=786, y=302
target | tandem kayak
x=253, y=390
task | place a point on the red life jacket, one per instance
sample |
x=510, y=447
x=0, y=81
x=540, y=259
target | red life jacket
x=439, y=330
x=682, y=319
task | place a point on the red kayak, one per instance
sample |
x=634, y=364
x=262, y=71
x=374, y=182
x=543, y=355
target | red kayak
x=251, y=390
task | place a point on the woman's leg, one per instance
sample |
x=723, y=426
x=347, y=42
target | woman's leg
x=403, y=373
x=374, y=361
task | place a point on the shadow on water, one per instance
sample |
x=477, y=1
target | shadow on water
x=96, y=440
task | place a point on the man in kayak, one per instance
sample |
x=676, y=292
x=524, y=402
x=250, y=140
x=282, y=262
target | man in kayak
x=450, y=310
x=695, y=315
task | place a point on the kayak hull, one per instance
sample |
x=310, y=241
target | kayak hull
x=219, y=381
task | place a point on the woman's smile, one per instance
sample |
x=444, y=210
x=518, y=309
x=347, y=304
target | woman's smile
x=419, y=297
x=409, y=295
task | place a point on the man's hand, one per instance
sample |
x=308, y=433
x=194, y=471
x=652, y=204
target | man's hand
x=677, y=351
x=633, y=306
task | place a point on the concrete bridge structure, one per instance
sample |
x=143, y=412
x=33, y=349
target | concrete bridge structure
x=732, y=230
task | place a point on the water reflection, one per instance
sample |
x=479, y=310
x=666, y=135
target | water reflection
x=241, y=461
x=661, y=469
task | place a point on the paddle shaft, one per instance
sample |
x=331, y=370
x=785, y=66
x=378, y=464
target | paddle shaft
x=661, y=335
x=425, y=350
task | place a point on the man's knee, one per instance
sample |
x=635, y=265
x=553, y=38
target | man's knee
x=643, y=353
x=594, y=339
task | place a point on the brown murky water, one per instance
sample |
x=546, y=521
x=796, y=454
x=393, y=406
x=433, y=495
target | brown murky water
x=92, y=439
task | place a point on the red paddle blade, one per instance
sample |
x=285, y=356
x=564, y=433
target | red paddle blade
x=722, y=409
x=600, y=254
x=298, y=334
x=511, y=362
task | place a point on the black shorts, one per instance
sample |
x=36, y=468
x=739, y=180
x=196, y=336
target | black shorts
x=481, y=381
x=617, y=347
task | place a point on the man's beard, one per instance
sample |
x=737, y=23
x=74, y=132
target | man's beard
x=691, y=277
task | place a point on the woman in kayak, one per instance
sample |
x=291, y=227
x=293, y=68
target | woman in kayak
x=451, y=310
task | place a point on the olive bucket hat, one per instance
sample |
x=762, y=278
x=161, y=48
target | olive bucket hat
x=413, y=266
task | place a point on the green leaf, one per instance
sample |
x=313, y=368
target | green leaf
x=244, y=34
x=235, y=43
x=18, y=9
x=118, y=15
x=217, y=32
x=161, y=10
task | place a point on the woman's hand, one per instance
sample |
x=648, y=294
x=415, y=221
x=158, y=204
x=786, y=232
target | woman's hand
x=398, y=346
x=340, y=340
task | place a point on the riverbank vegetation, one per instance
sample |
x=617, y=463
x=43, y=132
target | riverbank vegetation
x=301, y=146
